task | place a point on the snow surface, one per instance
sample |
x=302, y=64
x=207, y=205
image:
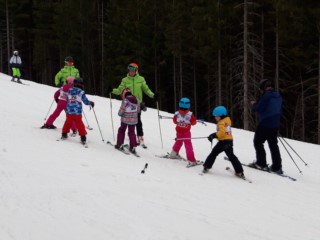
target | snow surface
x=52, y=190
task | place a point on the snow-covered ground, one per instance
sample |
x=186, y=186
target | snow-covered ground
x=52, y=190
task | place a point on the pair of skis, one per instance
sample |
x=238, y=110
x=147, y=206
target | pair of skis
x=263, y=170
x=232, y=172
x=190, y=164
x=124, y=149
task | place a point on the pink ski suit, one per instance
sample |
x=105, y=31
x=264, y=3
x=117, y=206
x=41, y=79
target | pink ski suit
x=184, y=119
x=61, y=98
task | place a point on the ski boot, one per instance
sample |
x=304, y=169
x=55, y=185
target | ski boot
x=83, y=139
x=64, y=136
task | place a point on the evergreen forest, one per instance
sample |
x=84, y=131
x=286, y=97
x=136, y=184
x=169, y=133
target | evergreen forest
x=214, y=52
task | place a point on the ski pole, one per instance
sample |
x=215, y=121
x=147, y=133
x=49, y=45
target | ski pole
x=189, y=138
x=290, y=155
x=306, y=164
x=48, y=110
x=90, y=128
x=98, y=124
x=166, y=117
x=159, y=123
x=145, y=167
x=111, y=116
x=202, y=122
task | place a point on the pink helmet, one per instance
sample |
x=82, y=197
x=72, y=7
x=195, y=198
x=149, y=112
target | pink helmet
x=70, y=80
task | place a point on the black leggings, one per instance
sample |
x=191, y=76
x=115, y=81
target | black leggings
x=227, y=147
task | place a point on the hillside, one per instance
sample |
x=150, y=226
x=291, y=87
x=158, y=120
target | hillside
x=52, y=190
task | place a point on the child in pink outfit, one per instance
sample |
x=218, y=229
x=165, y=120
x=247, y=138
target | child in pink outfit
x=184, y=119
x=60, y=97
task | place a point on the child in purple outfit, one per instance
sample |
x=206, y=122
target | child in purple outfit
x=128, y=112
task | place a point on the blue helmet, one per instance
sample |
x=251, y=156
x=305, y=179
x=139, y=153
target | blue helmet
x=184, y=103
x=219, y=111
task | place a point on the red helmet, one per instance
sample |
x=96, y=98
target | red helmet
x=133, y=66
x=125, y=92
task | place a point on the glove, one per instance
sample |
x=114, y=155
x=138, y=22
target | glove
x=57, y=100
x=212, y=136
x=92, y=104
x=155, y=96
x=109, y=90
x=143, y=107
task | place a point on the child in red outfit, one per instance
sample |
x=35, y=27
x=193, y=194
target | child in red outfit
x=60, y=97
x=184, y=119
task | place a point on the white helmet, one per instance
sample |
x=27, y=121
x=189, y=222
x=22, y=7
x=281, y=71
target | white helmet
x=15, y=52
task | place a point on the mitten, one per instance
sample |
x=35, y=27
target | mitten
x=212, y=136
x=57, y=100
x=92, y=104
x=143, y=107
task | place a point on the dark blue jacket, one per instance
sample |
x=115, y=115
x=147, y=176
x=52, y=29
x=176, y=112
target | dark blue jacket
x=269, y=109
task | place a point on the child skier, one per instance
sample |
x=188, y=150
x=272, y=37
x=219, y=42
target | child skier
x=76, y=96
x=225, y=142
x=60, y=97
x=128, y=112
x=184, y=119
x=15, y=64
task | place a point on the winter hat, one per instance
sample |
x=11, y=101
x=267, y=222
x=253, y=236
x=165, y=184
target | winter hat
x=125, y=92
x=184, y=103
x=219, y=111
x=68, y=60
x=70, y=80
x=265, y=83
x=78, y=82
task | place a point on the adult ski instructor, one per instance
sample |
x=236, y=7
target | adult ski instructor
x=137, y=85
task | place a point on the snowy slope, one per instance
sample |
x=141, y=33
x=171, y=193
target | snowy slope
x=60, y=190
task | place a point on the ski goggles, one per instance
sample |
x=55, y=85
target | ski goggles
x=132, y=68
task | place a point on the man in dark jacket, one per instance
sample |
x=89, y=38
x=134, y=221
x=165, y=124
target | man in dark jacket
x=269, y=109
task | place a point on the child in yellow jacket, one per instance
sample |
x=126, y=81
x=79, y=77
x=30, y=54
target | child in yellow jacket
x=225, y=142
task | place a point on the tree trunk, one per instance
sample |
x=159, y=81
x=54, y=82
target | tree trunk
x=174, y=82
x=277, y=50
x=8, y=35
x=180, y=76
x=195, y=89
x=102, y=52
x=219, y=59
x=262, y=45
x=319, y=91
x=302, y=112
x=245, y=68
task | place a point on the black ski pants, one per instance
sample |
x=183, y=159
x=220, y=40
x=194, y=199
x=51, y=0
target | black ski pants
x=227, y=147
x=271, y=136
